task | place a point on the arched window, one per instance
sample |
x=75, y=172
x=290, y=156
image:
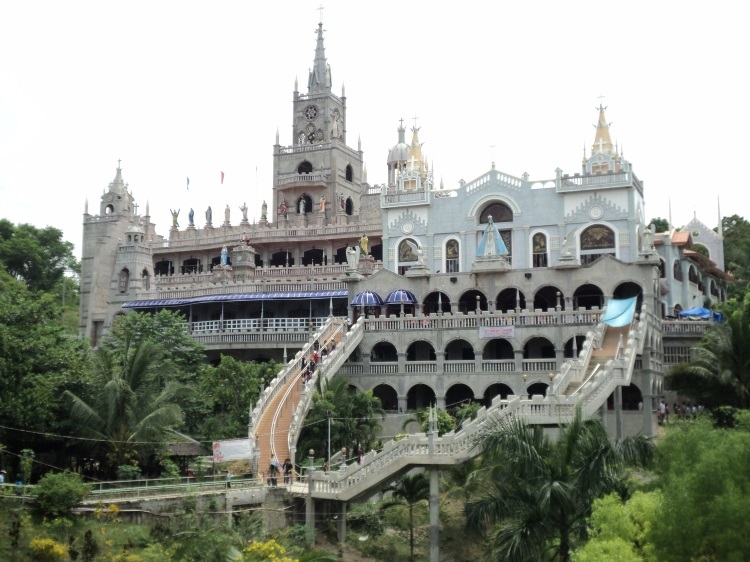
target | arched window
x=124, y=281
x=596, y=241
x=305, y=168
x=677, y=271
x=499, y=212
x=146, y=280
x=539, y=250
x=452, y=262
x=349, y=172
x=407, y=255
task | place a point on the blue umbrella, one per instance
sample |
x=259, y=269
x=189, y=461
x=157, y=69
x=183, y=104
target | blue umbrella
x=401, y=296
x=367, y=298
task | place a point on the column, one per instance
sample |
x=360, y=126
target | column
x=618, y=412
x=434, y=514
x=341, y=523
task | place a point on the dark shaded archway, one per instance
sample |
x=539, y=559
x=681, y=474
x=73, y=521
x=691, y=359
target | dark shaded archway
x=571, y=353
x=588, y=296
x=539, y=348
x=387, y=395
x=383, y=352
x=547, y=298
x=459, y=350
x=457, y=395
x=632, y=398
x=437, y=302
x=510, y=299
x=468, y=301
x=312, y=257
x=420, y=351
x=419, y=396
x=497, y=389
x=627, y=290
x=282, y=258
x=498, y=349
x=537, y=388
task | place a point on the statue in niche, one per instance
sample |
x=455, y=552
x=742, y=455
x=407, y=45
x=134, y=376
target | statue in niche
x=282, y=208
x=322, y=203
x=352, y=257
x=209, y=215
x=364, y=244
x=647, y=242
x=263, y=211
x=224, y=256
x=302, y=206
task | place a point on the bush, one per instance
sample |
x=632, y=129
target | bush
x=48, y=550
x=56, y=494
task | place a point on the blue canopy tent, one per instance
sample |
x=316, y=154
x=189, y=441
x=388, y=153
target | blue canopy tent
x=700, y=313
x=367, y=298
x=401, y=296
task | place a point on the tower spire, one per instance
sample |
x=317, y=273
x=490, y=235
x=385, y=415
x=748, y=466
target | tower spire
x=319, y=80
x=602, y=140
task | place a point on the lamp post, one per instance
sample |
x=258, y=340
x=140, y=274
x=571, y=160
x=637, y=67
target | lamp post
x=479, y=299
x=328, y=417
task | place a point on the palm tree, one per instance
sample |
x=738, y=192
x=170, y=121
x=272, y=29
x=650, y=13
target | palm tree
x=129, y=407
x=719, y=370
x=409, y=490
x=538, y=492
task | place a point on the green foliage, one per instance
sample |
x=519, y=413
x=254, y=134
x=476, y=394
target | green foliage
x=445, y=422
x=129, y=408
x=26, y=465
x=621, y=530
x=229, y=389
x=660, y=224
x=367, y=519
x=410, y=490
x=719, y=370
x=467, y=411
x=355, y=419
x=48, y=550
x=538, y=493
x=37, y=257
x=130, y=471
x=704, y=471
x=737, y=253
x=57, y=493
x=39, y=361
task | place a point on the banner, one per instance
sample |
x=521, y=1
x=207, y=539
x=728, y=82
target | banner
x=490, y=332
x=236, y=449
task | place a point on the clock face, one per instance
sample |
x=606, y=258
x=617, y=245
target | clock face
x=311, y=112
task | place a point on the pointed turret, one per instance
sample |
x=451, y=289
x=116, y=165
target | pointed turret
x=604, y=156
x=320, y=75
x=118, y=184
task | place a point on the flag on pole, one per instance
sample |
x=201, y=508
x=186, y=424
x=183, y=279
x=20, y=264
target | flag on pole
x=188, y=183
x=222, y=178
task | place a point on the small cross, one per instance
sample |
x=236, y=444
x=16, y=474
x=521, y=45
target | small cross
x=320, y=9
x=118, y=162
x=402, y=122
x=135, y=206
x=600, y=101
x=415, y=121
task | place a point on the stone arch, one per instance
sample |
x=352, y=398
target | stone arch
x=467, y=302
x=124, y=281
x=629, y=289
x=496, y=389
x=419, y=396
x=632, y=399
x=588, y=296
x=537, y=388
x=546, y=298
x=163, y=267
x=677, y=270
x=349, y=206
x=459, y=350
x=506, y=300
x=538, y=347
x=452, y=255
x=308, y=203
x=435, y=302
x=312, y=257
x=145, y=280
x=570, y=351
x=498, y=349
x=282, y=258
x=383, y=351
x=457, y=394
x=420, y=350
x=349, y=172
x=305, y=167
x=387, y=395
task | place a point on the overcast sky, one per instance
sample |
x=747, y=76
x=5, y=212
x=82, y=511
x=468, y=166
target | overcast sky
x=179, y=88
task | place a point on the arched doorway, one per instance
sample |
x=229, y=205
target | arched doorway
x=384, y=352
x=457, y=395
x=571, y=351
x=627, y=290
x=471, y=301
x=419, y=396
x=496, y=389
x=537, y=388
x=459, y=350
x=437, y=302
x=388, y=397
x=498, y=349
x=420, y=351
x=588, y=296
x=510, y=299
x=548, y=298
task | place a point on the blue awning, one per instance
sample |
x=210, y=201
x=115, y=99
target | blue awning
x=367, y=298
x=401, y=296
x=159, y=303
x=620, y=312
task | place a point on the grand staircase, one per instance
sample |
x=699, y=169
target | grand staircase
x=276, y=421
x=606, y=361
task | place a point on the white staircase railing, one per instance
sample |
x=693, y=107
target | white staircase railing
x=455, y=448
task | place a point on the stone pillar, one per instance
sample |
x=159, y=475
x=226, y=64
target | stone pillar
x=434, y=514
x=402, y=401
x=341, y=523
x=618, y=412
x=648, y=409
x=440, y=402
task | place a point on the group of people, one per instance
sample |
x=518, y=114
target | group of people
x=319, y=354
x=682, y=411
x=287, y=468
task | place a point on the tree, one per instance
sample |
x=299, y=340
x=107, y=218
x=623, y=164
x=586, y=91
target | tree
x=57, y=493
x=704, y=474
x=736, y=232
x=445, y=422
x=38, y=362
x=409, y=490
x=130, y=410
x=719, y=370
x=539, y=492
x=355, y=418
x=38, y=257
x=620, y=531
x=660, y=224
x=229, y=390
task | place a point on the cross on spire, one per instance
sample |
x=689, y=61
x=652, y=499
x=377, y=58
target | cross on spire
x=601, y=98
x=320, y=9
x=118, y=162
x=415, y=121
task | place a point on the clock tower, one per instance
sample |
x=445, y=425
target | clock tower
x=318, y=179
